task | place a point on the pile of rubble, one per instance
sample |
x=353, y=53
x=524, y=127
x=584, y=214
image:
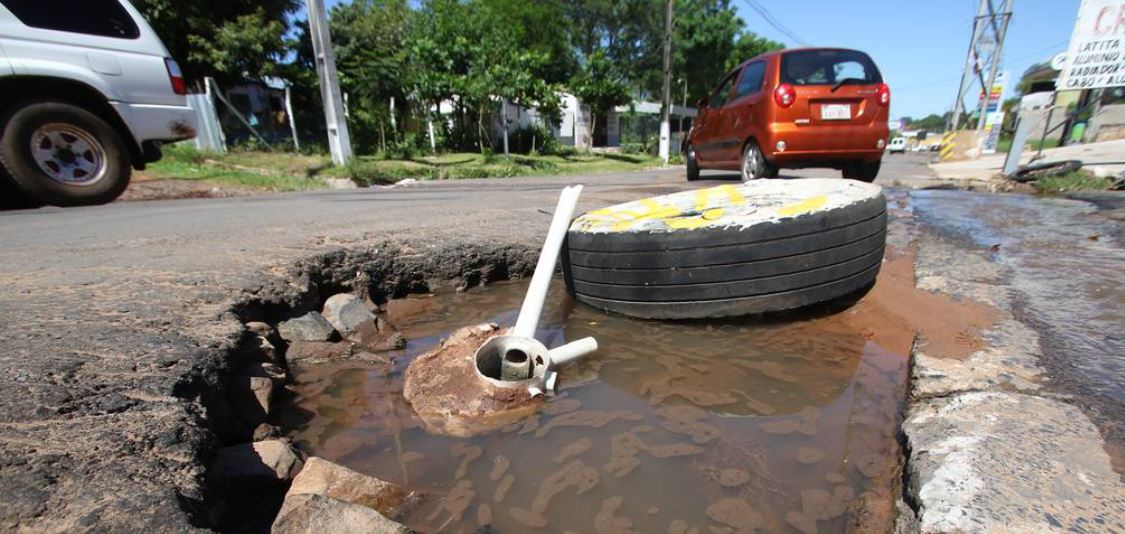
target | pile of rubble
x=257, y=458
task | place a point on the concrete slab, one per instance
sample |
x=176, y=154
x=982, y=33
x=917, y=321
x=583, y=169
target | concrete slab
x=992, y=446
x=1104, y=158
x=1007, y=462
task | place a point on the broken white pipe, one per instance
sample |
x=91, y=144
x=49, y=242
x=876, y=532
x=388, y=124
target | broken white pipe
x=532, y=306
x=572, y=351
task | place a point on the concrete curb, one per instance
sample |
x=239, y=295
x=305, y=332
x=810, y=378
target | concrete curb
x=988, y=448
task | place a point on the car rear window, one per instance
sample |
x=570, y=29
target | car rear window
x=104, y=18
x=828, y=67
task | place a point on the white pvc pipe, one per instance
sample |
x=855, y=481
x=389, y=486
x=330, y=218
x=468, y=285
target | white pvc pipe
x=572, y=351
x=532, y=307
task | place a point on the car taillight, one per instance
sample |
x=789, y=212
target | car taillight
x=884, y=94
x=785, y=95
x=176, y=77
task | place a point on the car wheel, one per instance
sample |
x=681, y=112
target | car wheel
x=754, y=165
x=692, y=164
x=863, y=171
x=733, y=250
x=61, y=154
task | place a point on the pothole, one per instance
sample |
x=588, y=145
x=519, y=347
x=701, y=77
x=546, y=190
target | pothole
x=788, y=423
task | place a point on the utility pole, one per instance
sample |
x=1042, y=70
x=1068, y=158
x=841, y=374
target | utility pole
x=985, y=47
x=682, y=111
x=339, y=141
x=666, y=99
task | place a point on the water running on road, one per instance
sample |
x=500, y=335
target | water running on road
x=1066, y=268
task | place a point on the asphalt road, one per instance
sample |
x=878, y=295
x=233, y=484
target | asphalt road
x=110, y=315
x=908, y=170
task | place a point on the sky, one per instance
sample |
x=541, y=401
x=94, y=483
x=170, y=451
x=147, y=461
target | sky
x=919, y=45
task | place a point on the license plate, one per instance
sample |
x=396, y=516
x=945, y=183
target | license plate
x=835, y=112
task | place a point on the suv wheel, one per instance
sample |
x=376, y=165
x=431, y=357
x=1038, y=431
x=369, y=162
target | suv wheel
x=692, y=164
x=754, y=165
x=61, y=154
x=864, y=171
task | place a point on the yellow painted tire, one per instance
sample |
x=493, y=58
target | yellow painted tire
x=756, y=247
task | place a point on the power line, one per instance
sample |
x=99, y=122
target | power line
x=953, y=78
x=772, y=21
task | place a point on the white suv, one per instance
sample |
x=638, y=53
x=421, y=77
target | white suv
x=87, y=92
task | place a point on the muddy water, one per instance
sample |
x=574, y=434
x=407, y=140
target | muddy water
x=787, y=426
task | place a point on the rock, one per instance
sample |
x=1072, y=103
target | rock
x=250, y=398
x=1010, y=462
x=333, y=304
x=318, y=351
x=340, y=183
x=378, y=336
x=261, y=462
x=321, y=477
x=261, y=329
x=265, y=370
x=266, y=431
x=257, y=349
x=309, y=327
x=318, y=514
x=348, y=314
x=445, y=389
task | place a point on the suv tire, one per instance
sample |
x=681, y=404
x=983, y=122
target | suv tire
x=863, y=171
x=63, y=155
x=691, y=163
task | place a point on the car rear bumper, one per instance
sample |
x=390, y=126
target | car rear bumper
x=808, y=144
x=149, y=122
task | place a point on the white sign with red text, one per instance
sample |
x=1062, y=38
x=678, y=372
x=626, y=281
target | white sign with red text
x=1096, y=57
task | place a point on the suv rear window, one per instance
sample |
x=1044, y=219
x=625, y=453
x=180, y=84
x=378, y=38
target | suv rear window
x=828, y=67
x=104, y=18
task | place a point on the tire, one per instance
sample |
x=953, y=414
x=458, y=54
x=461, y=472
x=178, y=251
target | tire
x=862, y=171
x=63, y=155
x=692, y=164
x=1037, y=171
x=784, y=246
x=754, y=165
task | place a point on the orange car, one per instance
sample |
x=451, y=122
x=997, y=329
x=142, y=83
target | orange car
x=810, y=107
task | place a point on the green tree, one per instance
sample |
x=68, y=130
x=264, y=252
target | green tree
x=747, y=45
x=185, y=26
x=250, y=46
x=628, y=33
x=369, y=38
x=600, y=85
x=710, y=40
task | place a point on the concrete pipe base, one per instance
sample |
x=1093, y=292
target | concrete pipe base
x=452, y=396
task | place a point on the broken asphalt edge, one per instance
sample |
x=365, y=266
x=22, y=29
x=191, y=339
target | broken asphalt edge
x=988, y=446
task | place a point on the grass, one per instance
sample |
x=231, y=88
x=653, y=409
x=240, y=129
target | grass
x=1005, y=143
x=1075, y=181
x=275, y=171
x=264, y=171
x=372, y=170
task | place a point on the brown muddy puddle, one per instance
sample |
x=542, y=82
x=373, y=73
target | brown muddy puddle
x=784, y=426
